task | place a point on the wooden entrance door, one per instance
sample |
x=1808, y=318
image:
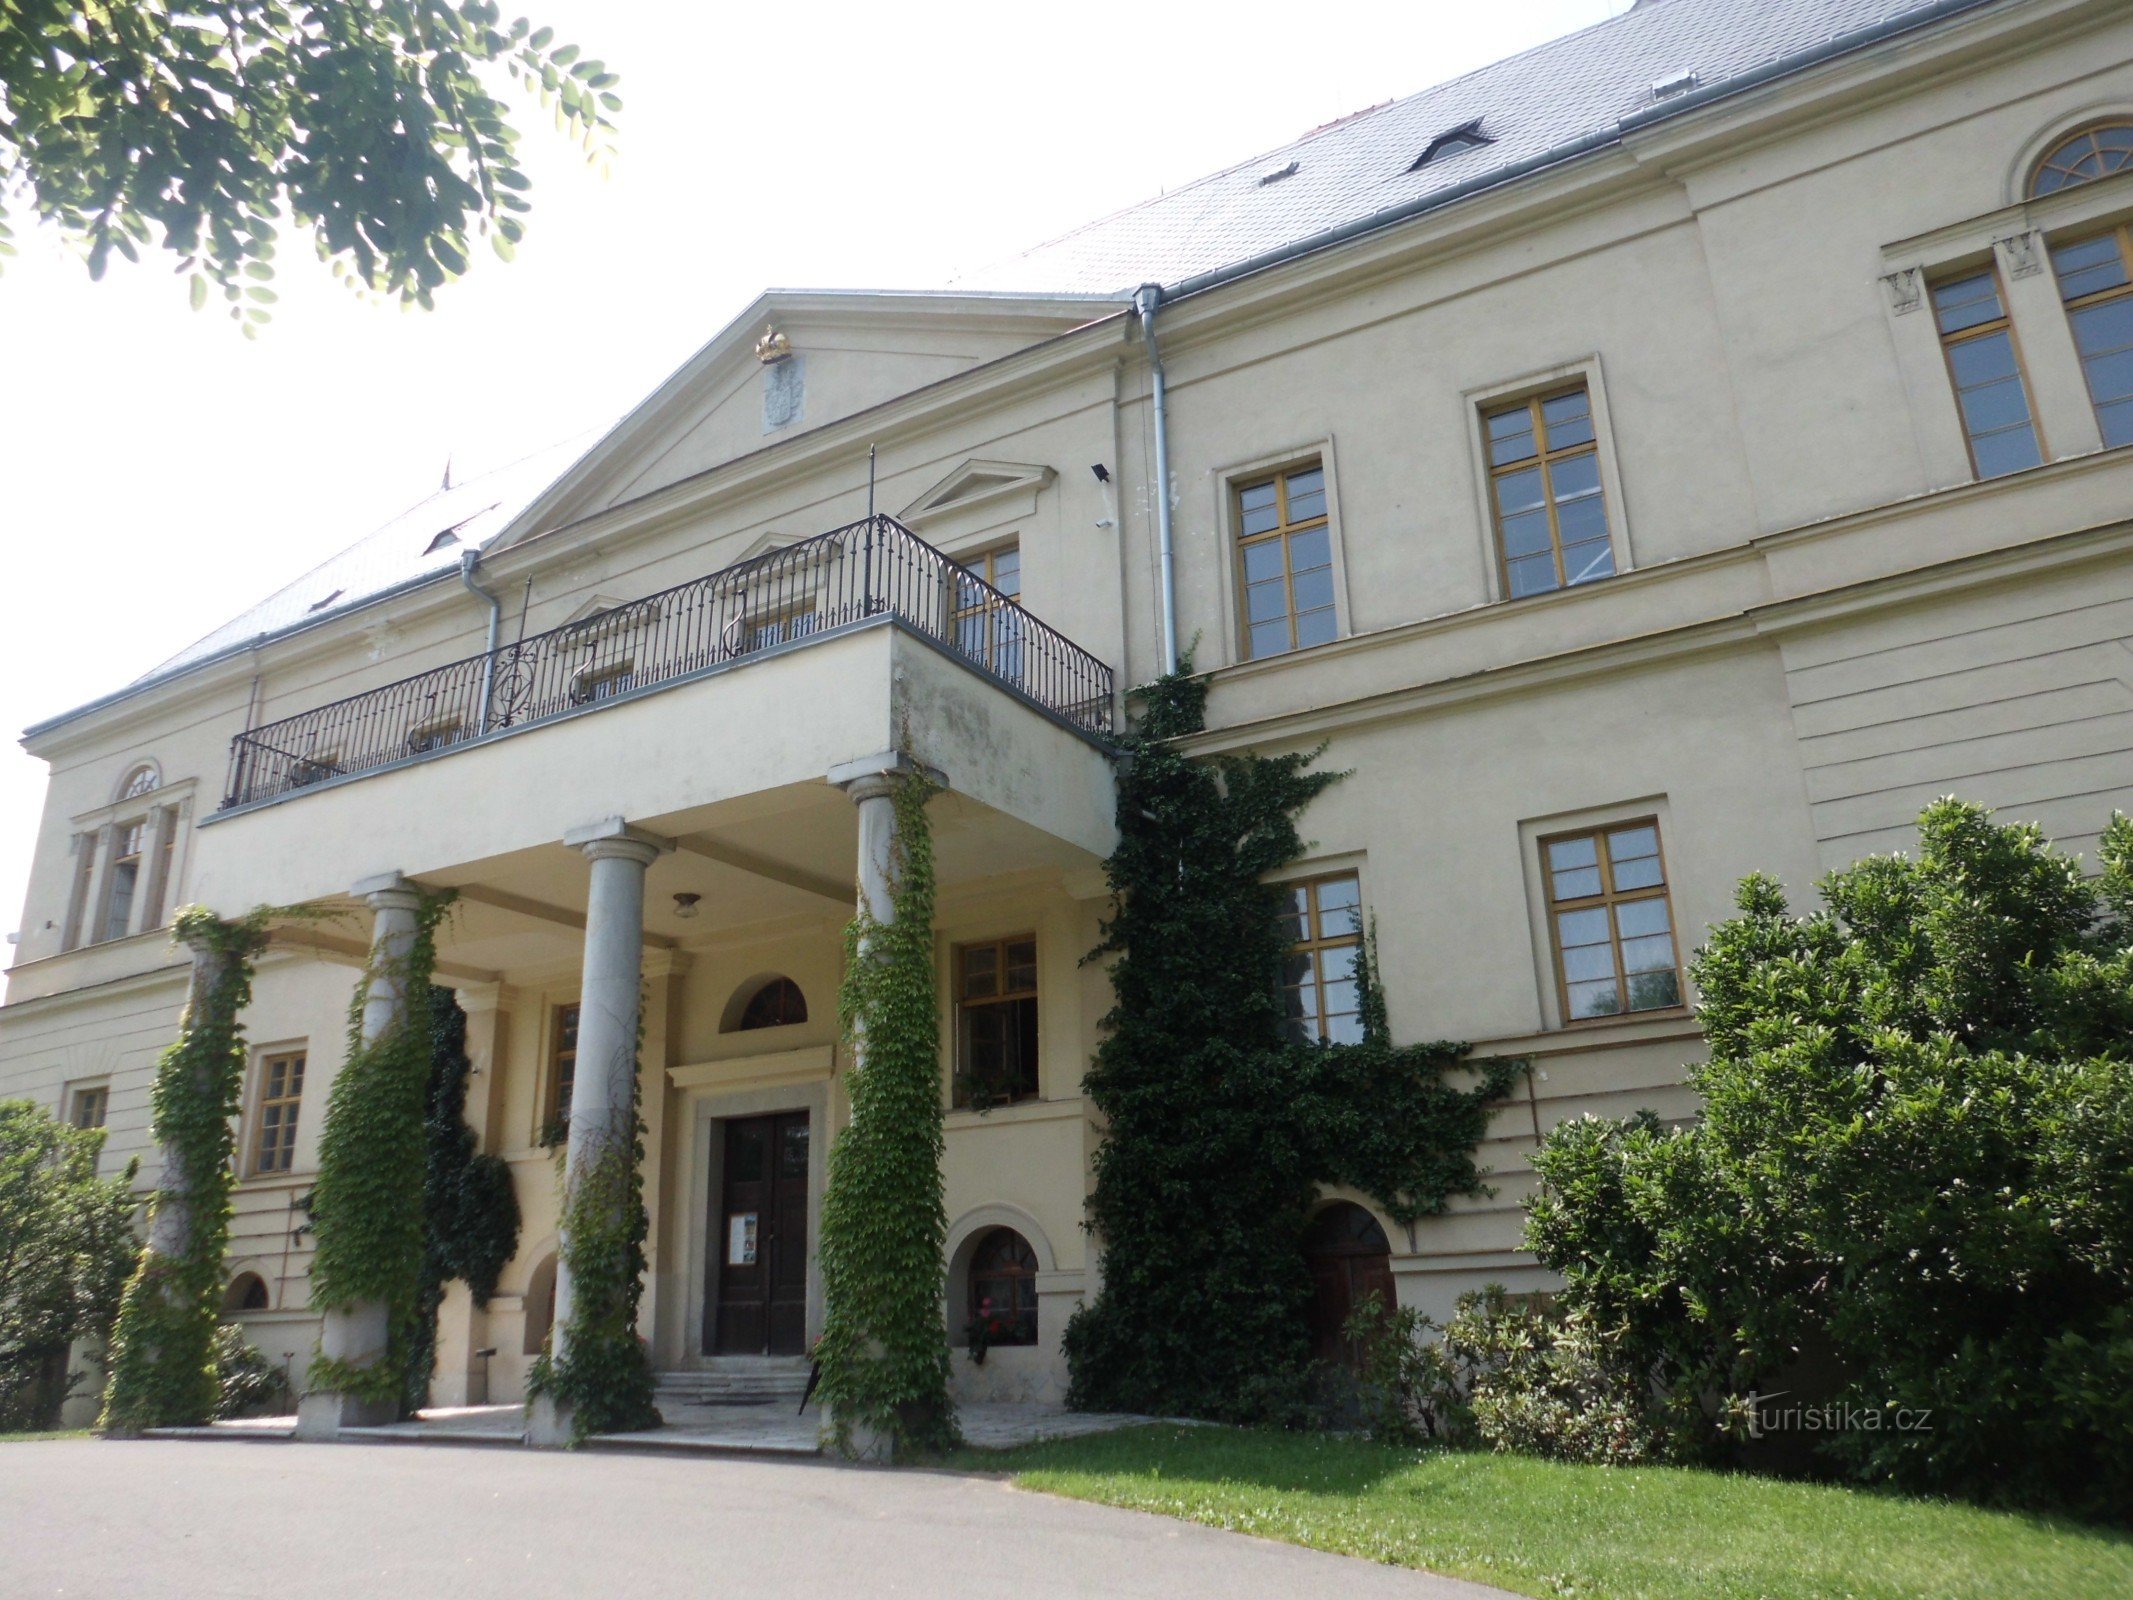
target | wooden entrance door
x=759, y=1238
x=1350, y=1260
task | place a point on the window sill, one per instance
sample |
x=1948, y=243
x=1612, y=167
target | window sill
x=1038, y=1110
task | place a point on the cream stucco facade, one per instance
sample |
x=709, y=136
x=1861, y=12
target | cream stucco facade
x=1820, y=617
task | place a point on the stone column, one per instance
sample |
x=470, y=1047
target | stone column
x=870, y=782
x=360, y=1334
x=602, y=1092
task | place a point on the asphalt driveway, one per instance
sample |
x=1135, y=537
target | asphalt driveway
x=184, y=1520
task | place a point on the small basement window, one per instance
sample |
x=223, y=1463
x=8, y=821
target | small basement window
x=1452, y=142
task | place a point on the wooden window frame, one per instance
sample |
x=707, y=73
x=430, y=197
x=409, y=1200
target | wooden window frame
x=553, y=1126
x=79, y=1096
x=142, y=858
x=1609, y=898
x=2044, y=161
x=1236, y=485
x=985, y=563
x=2121, y=234
x=1315, y=940
x=281, y=1161
x=960, y=1097
x=2003, y=323
x=1543, y=458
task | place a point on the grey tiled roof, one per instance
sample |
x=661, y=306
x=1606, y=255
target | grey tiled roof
x=1579, y=85
x=393, y=556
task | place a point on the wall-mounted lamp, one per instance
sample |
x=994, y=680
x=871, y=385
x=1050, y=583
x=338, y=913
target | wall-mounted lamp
x=685, y=905
x=1103, y=473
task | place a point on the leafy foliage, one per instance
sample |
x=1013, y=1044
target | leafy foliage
x=247, y=1383
x=368, y=1206
x=66, y=1250
x=1220, y=1134
x=884, y=1351
x=1507, y=1376
x=598, y=1367
x=196, y=130
x=1915, y=1163
x=163, y=1365
x=470, y=1208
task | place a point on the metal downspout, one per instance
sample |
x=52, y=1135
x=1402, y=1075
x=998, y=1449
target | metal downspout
x=1146, y=299
x=468, y=561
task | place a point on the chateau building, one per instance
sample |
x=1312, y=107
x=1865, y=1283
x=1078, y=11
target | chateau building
x=1681, y=450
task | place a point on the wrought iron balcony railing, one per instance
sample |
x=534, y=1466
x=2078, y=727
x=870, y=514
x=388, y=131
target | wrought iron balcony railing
x=777, y=600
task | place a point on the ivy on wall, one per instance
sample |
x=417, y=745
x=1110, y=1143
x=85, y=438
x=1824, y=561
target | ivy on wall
x=884, y=1348
x=1220, y=1134
x=368, y=1206
x=603, y=1376
x=469, y=1207
x=163, y=1355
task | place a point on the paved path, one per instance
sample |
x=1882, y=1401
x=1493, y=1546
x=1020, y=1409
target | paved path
x=187, y=1520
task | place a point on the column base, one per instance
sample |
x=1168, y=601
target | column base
x=547, y=1424
x=870, y=1445
x=322, y=1414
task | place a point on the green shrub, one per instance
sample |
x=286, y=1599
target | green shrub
x=66, y=1251
x=250, y=1385
x=1915, y=1160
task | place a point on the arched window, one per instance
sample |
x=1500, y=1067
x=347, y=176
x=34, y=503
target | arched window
x=2083, y=158
x=1003, y=1289
x=143, y=779
x=1350, y=1260
x=247, y=1292
x=777, y=1004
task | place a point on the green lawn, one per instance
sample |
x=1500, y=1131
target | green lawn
x=34, y=1438
x=1545, y=1529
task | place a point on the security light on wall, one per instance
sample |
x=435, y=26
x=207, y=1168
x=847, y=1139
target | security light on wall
x=1103, y=473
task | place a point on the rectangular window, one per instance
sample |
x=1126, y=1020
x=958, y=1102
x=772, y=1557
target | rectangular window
x=1980, y=347
x=91, y=1106
x=1544, y=481
x=128, y=846
x=1285, y=551
x=1612, y=926
x=281, y=1093
x=562, y=1074
x=2096, y=282
x=988, y=627
x=996, y=1022
x=78, y=897
x=778, y=627
x=1322, y=918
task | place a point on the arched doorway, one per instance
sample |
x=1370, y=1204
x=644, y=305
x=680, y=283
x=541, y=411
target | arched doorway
x=1350, y=1260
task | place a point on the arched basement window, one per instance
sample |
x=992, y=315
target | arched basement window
x=2083, y=158
x=1003, y=1288
x=247, y=1292
x=779, y=1003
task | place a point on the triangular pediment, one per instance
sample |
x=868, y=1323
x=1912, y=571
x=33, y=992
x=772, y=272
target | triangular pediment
x=974, y=484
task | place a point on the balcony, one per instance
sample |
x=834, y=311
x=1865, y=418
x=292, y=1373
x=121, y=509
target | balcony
x=868, y=574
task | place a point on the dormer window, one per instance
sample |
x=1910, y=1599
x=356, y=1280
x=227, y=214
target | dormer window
x=1452, y=142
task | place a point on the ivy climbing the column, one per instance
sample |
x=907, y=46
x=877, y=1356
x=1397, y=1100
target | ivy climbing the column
x=884, y=1348
x=1221, y=1134
x=597, y=1368
x=163, y=1359
x=470, y=1209
x=368, y=1205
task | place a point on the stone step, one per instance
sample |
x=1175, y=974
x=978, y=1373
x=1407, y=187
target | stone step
x=737, y=1380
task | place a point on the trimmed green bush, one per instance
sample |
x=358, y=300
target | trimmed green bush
x=1915, y=1170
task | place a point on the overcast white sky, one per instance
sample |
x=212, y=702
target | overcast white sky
x=159, y=473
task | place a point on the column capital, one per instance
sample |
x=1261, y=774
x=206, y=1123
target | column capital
x=387, y=891
x=612, y=838
x=869, y=777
